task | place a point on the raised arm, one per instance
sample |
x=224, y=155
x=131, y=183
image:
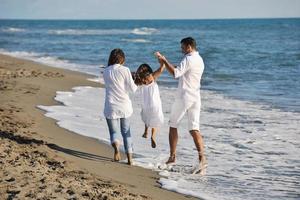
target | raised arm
x=159, y=71
x=169, y=66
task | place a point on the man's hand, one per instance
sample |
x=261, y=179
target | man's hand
x=163, y=59
x=159, y=56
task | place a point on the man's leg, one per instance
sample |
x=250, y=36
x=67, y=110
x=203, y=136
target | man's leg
x=198, y=140
x=177, y=112
x=193, y=121
x=173, y=139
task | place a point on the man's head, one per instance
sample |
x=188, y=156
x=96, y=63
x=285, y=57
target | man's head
x=188, y=45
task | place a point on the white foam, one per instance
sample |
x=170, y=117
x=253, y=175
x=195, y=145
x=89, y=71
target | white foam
x=89, y=31
x=97, y=80
x=136, y=31
x=13, y=30
x=144, y=31
x=137, y=40
x=51, y=61
x=20, y=54
x=242, y=141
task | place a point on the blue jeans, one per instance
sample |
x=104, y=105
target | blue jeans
x=124, y=124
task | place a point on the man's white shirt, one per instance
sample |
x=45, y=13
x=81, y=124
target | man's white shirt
x=189, y=73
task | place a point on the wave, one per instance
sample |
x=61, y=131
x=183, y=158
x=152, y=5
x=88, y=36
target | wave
x=136, y=31
x=88, y=32
x=19, y=54
x=51, y=61
x=144, y=31
x=13, y=30
x=136, y=40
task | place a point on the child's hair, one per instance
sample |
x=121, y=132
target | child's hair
x=117, y=56
x=142, y=72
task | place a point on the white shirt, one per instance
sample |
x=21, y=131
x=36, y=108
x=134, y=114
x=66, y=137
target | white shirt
x=151, y=96
x=189, y=73
x=118, y=84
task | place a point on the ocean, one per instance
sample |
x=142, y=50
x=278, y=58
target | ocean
x=250, y=92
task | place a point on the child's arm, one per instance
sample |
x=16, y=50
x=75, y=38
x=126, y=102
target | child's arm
x=159, y=71
x=169, y=66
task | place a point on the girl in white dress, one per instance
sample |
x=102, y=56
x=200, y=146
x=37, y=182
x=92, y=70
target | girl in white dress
x=152, y=114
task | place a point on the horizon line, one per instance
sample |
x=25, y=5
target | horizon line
x=140, y=19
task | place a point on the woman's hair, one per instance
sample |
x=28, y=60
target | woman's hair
x=142, y=72
x=117, y=56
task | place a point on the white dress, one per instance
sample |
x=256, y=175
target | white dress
x=152, y=114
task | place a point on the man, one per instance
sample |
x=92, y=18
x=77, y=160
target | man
x=188, y=98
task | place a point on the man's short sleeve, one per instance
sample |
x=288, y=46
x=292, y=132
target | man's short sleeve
x=182, y=68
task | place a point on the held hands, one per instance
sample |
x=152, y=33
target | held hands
x=160, y=57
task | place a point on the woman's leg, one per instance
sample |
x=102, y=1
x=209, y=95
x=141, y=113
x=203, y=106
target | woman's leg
x=153, y=142
x=125, y=131
x=113, y=128
x=145, y=135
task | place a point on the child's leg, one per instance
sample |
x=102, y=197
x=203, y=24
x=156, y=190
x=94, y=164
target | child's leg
x=153, y=142
x=145, y=135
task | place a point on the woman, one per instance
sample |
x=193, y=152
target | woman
x=118, y=107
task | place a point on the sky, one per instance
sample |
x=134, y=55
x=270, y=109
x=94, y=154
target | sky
x=148, y=9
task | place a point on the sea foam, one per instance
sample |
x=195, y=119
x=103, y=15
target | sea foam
x=51, y=61
x=135, y=31
x=13, y=30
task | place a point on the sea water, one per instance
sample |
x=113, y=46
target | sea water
x=250, y=96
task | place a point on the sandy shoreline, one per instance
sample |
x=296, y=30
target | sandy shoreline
x=38, y=159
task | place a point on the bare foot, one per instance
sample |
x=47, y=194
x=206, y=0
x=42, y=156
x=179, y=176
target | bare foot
x=202, y=166
x=129, y=159
x=153, y=143
x=171, y=160
x=117, y=155
x=145, y=135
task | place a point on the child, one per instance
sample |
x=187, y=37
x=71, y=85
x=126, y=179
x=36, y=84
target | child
x=152, y=114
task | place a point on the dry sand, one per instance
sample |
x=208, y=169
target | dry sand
x=39, y=160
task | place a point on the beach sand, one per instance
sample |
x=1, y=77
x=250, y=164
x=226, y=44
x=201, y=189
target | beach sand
x=39, y=160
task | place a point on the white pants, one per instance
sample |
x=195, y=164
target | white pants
x=179, y=108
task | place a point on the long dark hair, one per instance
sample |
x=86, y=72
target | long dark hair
x=116, y=56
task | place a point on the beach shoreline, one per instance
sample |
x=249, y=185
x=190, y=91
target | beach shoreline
x=53, y=156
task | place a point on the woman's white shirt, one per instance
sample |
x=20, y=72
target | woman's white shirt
x=118, y=84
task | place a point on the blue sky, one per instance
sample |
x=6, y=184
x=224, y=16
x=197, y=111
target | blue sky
x=147, y=9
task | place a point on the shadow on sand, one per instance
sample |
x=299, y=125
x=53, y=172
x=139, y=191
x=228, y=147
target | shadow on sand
x=26, y=140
